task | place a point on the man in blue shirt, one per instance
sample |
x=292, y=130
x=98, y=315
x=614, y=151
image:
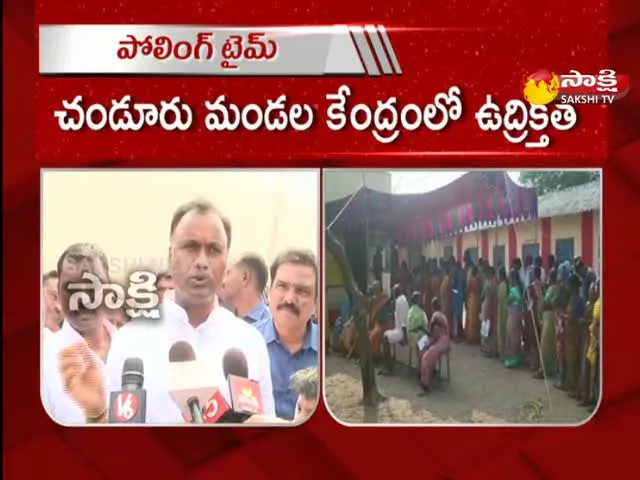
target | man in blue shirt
x=243, y=287
x=292, y=338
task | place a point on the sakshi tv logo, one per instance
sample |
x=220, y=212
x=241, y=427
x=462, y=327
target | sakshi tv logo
x=544, y=87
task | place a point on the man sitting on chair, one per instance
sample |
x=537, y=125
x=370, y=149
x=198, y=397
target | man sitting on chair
x=399, y=333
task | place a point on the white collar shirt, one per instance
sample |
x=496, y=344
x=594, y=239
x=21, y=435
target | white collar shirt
x=58, y=405
x=151, y=340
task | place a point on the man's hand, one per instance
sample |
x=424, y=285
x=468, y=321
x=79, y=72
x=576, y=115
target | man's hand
x=82, y=379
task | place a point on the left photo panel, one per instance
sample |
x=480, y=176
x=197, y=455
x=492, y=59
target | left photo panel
x=180, y=297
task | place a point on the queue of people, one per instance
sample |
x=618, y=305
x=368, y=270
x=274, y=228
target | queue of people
x=212, y=306
x=544, y=319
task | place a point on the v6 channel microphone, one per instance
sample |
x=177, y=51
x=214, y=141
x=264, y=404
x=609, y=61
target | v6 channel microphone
x=130, y=404
x=188, y=384
x=246, y=398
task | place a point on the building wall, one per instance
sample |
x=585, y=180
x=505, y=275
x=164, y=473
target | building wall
x=527, y=233
x=563, y=227
x=567, y=226
x=498, y=236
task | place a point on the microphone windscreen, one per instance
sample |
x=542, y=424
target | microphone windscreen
x=234, y=362
x=181, y=352
x=133, y=372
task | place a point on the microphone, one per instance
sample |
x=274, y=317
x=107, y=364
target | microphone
x=130, y=404
x=216, y=410
x=246, y=399
x=187, y=381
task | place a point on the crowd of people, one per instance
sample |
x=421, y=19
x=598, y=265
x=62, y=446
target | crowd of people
x=266, y=313
x=542, y=317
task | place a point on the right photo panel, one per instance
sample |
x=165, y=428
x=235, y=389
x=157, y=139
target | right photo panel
x=462, y=297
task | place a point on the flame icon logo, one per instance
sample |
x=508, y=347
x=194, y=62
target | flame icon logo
x=541, y=88
x=247, y=392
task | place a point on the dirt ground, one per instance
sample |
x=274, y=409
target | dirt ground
x=481, y=390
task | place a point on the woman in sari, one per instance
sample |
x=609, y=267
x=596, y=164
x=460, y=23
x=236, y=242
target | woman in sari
x=533, y=319
x=593, y=352
x=501, y=330
x=472, y=324
x=576, y=310
x=439, y=345
x=489, y=313
x=584, y=389
x=549, y=366
x=445, y=295
x=562, y=299
x=378, y=318
x=515, y=305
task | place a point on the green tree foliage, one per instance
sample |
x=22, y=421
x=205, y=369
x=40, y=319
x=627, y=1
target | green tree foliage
x=551, y=181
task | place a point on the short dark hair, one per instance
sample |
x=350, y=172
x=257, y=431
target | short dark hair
x=50, y=275
x=162, y=276
x=202, y=206
x=257, y=265
x=297, y=257
x=80, y=251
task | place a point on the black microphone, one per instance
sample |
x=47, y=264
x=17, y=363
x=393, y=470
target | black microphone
x=234, y=362
x=182, y=352
x=130, y=404
x=246, y=399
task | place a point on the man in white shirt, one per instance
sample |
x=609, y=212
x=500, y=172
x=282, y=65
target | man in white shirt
x=85, y=333
x=399, y=333
x=52, y=312
x=199, y=243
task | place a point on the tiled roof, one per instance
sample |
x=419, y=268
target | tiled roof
x=570, y=201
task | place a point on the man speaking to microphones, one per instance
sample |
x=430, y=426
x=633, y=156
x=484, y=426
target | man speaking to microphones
x=130, y=404
x=199, y=237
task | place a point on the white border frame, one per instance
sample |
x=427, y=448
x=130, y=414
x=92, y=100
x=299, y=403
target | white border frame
x=476, y=425
x=319, y=253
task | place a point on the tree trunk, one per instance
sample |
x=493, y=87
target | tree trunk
x=370, y=394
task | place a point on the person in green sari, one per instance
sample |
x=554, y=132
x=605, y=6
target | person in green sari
x=549, y=367
x=416, y=320
x=515, y=303
x=503, y=311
